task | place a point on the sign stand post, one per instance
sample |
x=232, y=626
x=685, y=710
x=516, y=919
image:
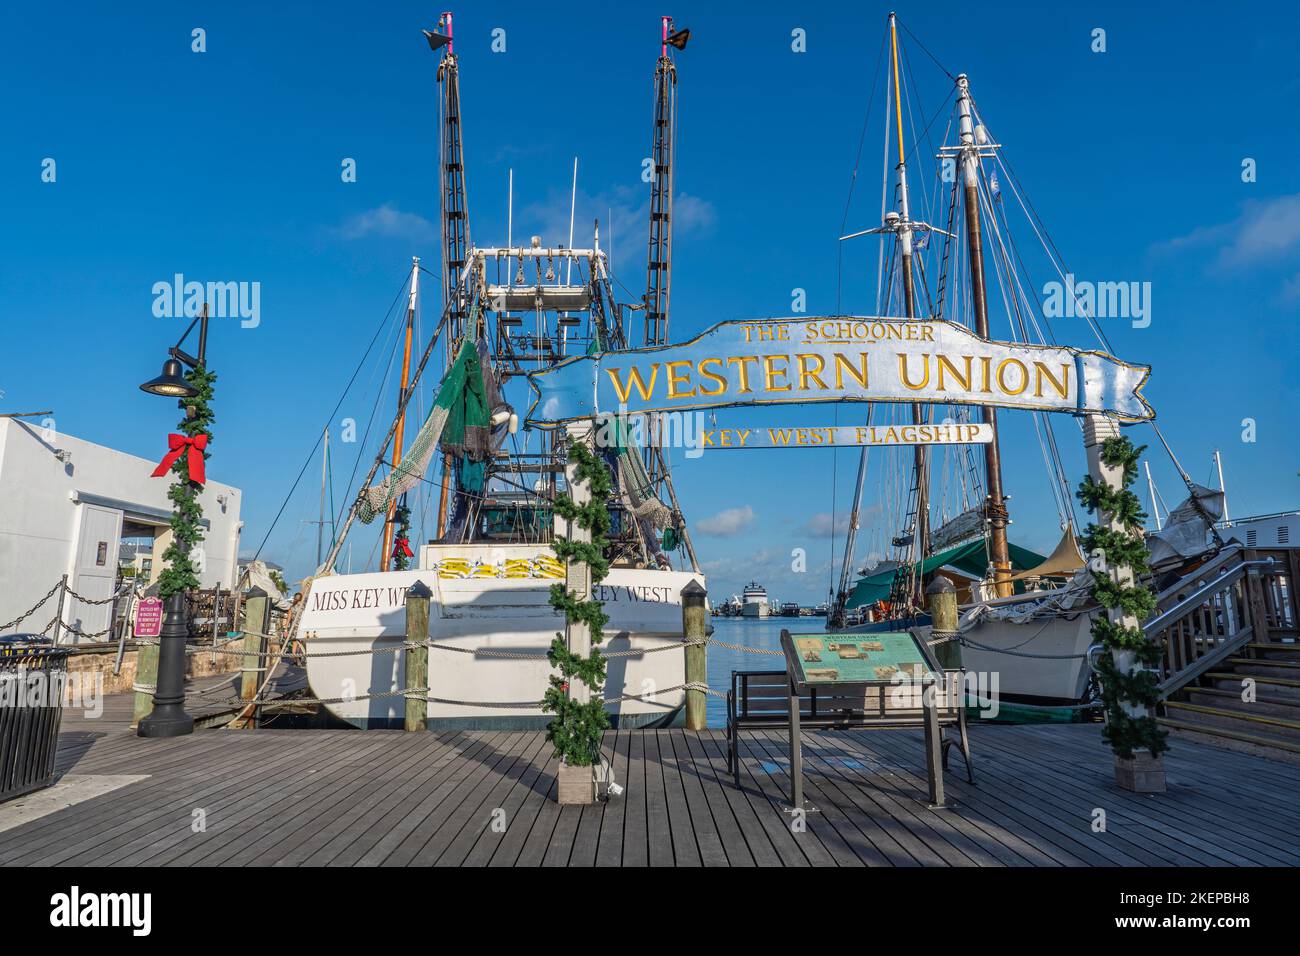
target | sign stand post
x=933, y=747
x=796, y=752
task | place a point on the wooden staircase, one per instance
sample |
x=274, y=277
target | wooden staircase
x=1231, y=668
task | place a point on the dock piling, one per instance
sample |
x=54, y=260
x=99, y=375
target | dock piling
x=695, y=622
x=146, y=681
x=417, y=658
x=257, y=619
x=941, y=600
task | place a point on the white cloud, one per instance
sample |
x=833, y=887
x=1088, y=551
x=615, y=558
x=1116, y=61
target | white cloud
x=623, y=210
x=728, y=523
x=388, y=222
x=1266, y=230
x=823, y=525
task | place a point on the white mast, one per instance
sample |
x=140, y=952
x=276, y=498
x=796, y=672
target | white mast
x=1151, y=490
x=1218, y=463
x=324, y=474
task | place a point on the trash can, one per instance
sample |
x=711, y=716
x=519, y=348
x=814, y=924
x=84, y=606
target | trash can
x=33, y=673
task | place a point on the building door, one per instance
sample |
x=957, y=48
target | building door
x=94, y=572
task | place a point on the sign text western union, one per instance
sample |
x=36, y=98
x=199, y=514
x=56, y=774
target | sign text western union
x=797, y=361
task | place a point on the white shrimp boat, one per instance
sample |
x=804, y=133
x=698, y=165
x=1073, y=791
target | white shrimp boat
x=482, y=617
x=506, y=310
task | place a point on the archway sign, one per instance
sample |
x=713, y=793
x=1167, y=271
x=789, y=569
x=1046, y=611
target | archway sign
x=840, y=359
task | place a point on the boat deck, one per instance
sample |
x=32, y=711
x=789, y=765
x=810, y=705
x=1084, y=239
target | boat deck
x=348, y=798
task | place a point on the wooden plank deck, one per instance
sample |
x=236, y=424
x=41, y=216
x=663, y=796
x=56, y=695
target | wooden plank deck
x=207, y=700
x=349, y=798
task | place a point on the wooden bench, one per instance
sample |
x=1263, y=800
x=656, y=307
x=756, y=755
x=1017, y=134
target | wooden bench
x=761, y=700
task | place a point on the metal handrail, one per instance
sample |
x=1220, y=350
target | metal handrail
x=1164, y=618
x=1210, y=567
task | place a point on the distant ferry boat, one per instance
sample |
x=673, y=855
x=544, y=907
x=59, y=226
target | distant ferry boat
x=790, y=609
x=754, y=601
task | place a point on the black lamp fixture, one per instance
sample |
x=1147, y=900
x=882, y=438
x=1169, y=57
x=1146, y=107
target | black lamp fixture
x=168, y=717
x=171, y=383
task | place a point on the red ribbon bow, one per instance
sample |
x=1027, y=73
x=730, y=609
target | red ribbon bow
x=179, y=444
x=402, y=546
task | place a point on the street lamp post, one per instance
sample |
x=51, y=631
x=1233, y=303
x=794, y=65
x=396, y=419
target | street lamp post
x=168, y=718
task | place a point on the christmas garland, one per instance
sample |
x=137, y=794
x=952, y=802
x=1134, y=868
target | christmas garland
x=576, y=731
x=402, y=537
x=1123, y=547
x=180, y=574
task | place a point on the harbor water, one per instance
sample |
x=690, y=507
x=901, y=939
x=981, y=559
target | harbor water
x=751, y=632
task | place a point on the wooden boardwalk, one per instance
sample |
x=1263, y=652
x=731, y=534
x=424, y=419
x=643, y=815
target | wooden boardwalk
x=349, y=798
x=207, y=700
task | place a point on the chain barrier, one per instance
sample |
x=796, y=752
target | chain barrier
x=124, y=589
x=34, y=608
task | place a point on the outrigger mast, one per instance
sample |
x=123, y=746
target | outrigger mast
x=454, y=217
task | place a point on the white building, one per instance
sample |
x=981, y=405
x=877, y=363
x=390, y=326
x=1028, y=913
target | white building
x=65, y=507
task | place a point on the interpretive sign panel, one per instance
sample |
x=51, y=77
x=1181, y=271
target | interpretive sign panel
x=857, y=658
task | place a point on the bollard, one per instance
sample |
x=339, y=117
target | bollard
x=257, y=618
x=146, y=681
x=941, y=601
x=695, y=621
x=417, y=658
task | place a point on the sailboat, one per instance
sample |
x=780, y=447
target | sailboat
x=1025, y=617
x=508, y=309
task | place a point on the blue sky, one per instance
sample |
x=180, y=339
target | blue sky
x=225, y=165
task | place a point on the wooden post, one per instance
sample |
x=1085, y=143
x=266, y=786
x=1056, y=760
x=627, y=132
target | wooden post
x=146, y=680
x=933, y=743
x=577, y=784
x=416, y=673
x=941, y=600
x=257, y=618
x=695, y=622
x=1143, y=772
x=796, y=749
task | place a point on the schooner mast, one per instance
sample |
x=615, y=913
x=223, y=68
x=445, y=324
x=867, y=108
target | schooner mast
x=902, y=226
x=996, y=509
x=921, y=475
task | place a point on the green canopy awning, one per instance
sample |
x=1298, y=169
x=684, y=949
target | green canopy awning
x=971, y=559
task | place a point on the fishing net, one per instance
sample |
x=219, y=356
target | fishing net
x=634, y=484
x=459, y=418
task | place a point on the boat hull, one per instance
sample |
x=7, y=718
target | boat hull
x=354, y=629
x=996, y=656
